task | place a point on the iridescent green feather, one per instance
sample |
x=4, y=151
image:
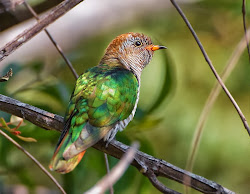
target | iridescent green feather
x=103, y=96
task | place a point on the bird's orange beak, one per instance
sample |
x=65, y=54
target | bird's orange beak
x=155, y=47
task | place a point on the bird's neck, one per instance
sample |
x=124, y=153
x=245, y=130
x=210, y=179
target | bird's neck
x=133, y=66
x=111, y=61
x=119, y=62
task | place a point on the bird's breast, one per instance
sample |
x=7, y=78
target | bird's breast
x=120, y=125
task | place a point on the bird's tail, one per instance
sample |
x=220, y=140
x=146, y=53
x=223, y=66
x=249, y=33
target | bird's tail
x=58, y=163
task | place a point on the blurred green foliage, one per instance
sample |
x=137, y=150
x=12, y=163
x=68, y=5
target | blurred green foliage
x=174, y=89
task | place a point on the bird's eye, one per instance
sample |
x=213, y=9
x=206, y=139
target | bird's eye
x=138, y=43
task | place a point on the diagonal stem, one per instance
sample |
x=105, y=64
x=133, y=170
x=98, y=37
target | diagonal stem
x=59, y=49
x=210, y=101
x=26, y=35
x=212, y=67
x=116, y=172
x=33, y=159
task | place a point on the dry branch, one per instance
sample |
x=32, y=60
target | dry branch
x=145, y=163
x=54, y=14
x=12, y=14
x=58, y=48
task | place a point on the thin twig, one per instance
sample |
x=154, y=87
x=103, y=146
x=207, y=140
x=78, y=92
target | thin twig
x=33, y=159
x=59, y=49
x=142, y=161
x=26, y=35
x=116, y=172
x=21, y=14
x=211, y=99
x=212, y=67
x=161, y=187
x=111, y=189
x=244, y=26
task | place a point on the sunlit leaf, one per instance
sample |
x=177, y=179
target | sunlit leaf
x=16, y=120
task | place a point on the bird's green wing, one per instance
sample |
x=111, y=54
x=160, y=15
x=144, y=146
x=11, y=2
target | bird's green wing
x=102, y=97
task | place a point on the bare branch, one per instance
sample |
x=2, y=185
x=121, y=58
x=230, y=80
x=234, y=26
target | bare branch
x=33, y=159
x=41, y=118
x=54, y=14
x=116, y=173
x=142, y=161
x=11, y=14
x=212, y=67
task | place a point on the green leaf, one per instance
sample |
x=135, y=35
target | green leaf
x=15, y=120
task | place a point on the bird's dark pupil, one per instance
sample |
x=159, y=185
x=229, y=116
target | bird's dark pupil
x=137, y=43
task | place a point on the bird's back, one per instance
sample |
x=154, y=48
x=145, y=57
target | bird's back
x=102, y=103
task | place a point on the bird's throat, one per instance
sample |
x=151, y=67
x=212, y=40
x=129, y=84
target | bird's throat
x=113, y=61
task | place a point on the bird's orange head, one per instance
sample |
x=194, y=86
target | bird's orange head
x=131, y=50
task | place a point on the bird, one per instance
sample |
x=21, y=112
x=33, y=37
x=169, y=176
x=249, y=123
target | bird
x=104, y=99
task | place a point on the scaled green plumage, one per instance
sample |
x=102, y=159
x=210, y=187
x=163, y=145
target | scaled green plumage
x=104, y=99
x=103, y=96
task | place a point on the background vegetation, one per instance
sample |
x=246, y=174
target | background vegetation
x=174, y=89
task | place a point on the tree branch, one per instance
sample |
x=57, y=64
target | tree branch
x=145, y=163
x=58, y=48
x=14, y=14
x=54, y=14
